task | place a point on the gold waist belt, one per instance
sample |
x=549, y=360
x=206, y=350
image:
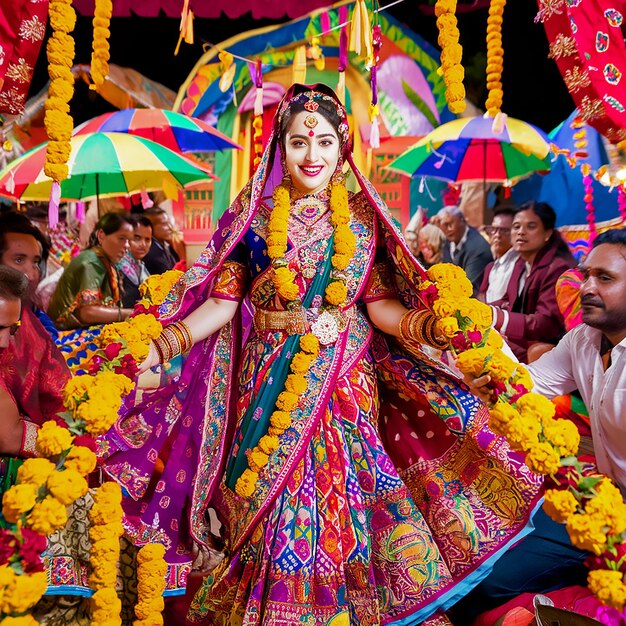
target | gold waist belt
x=325, y=324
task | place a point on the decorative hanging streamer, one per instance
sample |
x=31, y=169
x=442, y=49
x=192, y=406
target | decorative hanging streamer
x=258, y=83
x=495, y=54
x=299, y=66
x=228, y=70
x=316, y=55
x=343, y=54
x=257, y=123
x=499, y=122
x=10, y=186
x=100, y=54
x=186, y=26
x=146, y=201
x=53, y=205
x=451, y=54
x=361, y=32
x=580, y=143
x=80, y=212
x=374, y=128
x=621, y=202
x=325, y=22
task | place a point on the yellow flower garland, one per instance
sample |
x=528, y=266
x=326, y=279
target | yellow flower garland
x=344, y=247
x=104, y=533
x=451, y=54
x=495, y=54
x=151, y=572
x=101, y=33
x=591, y=507
x=58, y=121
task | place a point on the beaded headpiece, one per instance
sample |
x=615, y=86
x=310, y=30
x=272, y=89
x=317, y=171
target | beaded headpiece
x=310, y=100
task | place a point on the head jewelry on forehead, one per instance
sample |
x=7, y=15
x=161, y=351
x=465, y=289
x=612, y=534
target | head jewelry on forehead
x=310, y=104
x=310, y=121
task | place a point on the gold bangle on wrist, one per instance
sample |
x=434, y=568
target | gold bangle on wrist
x=418, y=327
x=175, y=339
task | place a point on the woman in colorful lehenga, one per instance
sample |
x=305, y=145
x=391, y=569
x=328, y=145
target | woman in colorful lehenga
x=354, y=477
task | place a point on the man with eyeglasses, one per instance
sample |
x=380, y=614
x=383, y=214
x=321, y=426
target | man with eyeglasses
x=32, y=372
x=498, y=273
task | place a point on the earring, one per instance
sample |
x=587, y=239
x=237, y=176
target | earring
x=338, y=177
x=286, y=176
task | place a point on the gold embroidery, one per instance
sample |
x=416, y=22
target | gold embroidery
x=576, y=79
x=20, y=72
x=548, y=8
x=591, y=109
x=32, y=30
x=562, y=46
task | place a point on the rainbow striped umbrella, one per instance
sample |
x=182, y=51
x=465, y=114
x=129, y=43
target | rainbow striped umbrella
x=101, y=165
x=176, y=131
x=469, y=149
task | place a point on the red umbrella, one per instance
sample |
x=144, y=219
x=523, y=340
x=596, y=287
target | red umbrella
x=170, y=129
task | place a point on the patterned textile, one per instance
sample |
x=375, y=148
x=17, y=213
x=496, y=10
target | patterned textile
x=33, y=372
x=333, y=533
x=22, y=29
x=78, y=346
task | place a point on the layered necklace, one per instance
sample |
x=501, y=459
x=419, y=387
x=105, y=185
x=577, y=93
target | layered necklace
x=344, y=242
x=335, y=295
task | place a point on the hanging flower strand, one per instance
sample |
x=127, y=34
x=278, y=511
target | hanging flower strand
x=101, y=33
x=58, y=121
x=580, y=144
x=451, y=54
x=495, y=54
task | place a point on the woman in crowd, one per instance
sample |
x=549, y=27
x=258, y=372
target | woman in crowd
x=89, y=292
x=528, y=314
x=430, y=241
x=355, y=479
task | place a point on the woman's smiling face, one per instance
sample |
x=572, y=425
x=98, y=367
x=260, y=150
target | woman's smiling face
x=311, y=151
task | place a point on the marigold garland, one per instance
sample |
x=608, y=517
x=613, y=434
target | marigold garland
x=495, y=54
x=58, y=121
x=100, y=54
x=335, y=295
x=104, y=533
x=589, y=504
x=451, y=54
x=257, y=138
x=151, y=572
x=36, y=505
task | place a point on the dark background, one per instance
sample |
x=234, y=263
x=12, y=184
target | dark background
x=533, y=88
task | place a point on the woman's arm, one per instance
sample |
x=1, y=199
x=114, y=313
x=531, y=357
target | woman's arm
x=208, y=318
x=97, y=314
x=386, y=315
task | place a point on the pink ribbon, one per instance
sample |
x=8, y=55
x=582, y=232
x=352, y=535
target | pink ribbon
x=53, y=205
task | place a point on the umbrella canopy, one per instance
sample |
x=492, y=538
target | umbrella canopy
x=174, y=130
x=468, y=149
x=101, y=165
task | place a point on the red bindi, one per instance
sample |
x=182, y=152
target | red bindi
x=311, y=133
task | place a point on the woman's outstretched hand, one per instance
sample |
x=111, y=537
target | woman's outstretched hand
x=150, y=361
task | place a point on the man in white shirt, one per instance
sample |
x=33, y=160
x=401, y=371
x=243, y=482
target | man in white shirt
x=498, y=273
x=592, y=359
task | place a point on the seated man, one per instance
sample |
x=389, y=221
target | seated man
x=132, y=268
x=465, y=247
x=161, y=257
x=592, y=359
x=25, y=248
